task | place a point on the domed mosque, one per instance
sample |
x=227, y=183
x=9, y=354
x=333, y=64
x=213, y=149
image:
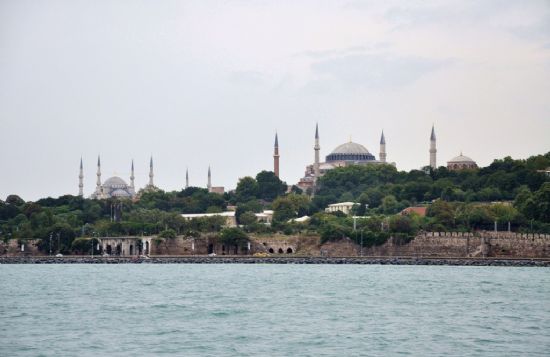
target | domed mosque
x=346, y=154
x=115, y=187
x=461, y=162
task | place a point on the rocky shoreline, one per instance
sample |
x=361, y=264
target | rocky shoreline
x=278, y=260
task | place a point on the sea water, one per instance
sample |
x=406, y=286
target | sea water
x=273, y=310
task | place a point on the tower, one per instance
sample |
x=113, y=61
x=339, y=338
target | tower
x=317, y=148
x=151, y=172
x=209, y=184
x=382, y=148
x=276, y=156
x=186, y=178
x=81, y=180
x=132, y=177
x=98, y=183
x=433, y=150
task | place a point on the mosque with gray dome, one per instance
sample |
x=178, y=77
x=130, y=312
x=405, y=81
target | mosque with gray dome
x=347, y=154
x=115, y=186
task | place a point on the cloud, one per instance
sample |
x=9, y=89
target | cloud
x=375, y=70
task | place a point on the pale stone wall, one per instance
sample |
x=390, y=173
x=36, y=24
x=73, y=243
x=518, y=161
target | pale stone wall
x=457, y=244
x=12, y=247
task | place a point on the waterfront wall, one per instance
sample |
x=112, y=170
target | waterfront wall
x=458, y=244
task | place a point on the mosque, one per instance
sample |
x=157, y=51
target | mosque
x=351, y=153
x=115, y=187
x=347, y=154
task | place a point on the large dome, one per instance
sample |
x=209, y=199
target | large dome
x=461, y=158
x=350, y=148
x=350, y=152
x=115, y=182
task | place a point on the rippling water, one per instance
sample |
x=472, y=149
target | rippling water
x=273, y=310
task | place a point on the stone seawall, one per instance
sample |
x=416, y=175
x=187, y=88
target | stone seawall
x=279, y=260
x=458, y=244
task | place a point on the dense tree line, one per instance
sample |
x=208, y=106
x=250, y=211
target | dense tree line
x=457, y=201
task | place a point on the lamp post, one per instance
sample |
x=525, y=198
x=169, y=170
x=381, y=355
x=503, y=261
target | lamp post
x=361, y=243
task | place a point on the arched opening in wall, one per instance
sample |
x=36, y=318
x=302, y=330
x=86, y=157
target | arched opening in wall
x=236, y=250
x=210, y=248
x=109, y=249
x=131, y=249
x=280, y=251
x=271, y=250
x=147, y=248
x=289, y=251
x=118, y=249
x=223, y=249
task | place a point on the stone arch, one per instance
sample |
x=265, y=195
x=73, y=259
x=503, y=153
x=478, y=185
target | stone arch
x=271, y=250
x=280, y=251
x=210, y=248
x=109, y=249
x=289, y=250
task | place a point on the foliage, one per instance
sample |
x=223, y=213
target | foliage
x=168, y=233
x=234, y=236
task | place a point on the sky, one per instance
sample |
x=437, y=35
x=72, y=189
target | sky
x=199, y=83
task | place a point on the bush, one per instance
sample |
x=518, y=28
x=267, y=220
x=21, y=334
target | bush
x=168, y=233
x=234, y=236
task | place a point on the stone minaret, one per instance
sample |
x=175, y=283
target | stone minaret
x=382, y=148
x=132, y=177
x=186, y=178
x=151, y=172
x=276, y=156
x=433, y=150
x=98, y=183
x=317, y=148
x=209, y=184
x=81, y=180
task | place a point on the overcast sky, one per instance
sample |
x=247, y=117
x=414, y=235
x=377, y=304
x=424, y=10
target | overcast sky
x=209, y=82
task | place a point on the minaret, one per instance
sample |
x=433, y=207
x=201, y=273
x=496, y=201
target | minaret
x=433, y=150
x=276, y=156
x=132, y=177
x=81, y=180
x=209, y=184
x=186, y=178
x=382, y=148
x=317, y=148
x=151, y=172
x=98, y=183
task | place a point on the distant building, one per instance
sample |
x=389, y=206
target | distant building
x=347, y=154
x=265, y=217
x=213, y=189
x=230, y=219
x=344, y=207
x=461, y=162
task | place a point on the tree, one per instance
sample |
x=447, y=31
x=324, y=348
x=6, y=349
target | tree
x=234, y=236
x=14, y=200
x=390, y=205
x=247, y=218
x=269, y=186
x=541, y=201
x=168, y=233
x=443, y=213
x=247, y=189
x=290, y=206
